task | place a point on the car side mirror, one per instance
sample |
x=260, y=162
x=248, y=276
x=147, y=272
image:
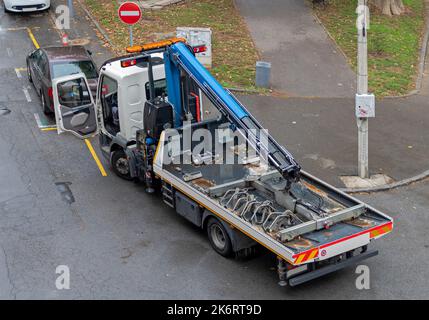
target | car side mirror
x=89, y=52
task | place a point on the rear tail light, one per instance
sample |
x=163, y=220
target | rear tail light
x=128, y=63
x=199, y=49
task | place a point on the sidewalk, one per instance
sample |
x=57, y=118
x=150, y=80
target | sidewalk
x=322, y=134
x=305, y=61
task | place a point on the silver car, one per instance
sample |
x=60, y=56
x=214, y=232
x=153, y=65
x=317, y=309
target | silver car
x=26, y=5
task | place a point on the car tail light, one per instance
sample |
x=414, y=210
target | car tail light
x=51, y=97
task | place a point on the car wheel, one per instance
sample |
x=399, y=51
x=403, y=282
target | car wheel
x=29, y=74
x=219, y=238
x=45, y=107
x=121, y=165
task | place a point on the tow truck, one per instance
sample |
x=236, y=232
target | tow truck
x=164, y=120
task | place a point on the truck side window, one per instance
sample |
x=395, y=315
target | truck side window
x=160, y=88
x=109, y=104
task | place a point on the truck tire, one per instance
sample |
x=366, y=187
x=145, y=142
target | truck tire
x=120, y=165
x=219, y=238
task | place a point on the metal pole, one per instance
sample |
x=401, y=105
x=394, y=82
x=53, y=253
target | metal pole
x=131, y=35
x=362, y=88
x=71, y=9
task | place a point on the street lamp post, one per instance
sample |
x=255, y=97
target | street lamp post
x=362, y=89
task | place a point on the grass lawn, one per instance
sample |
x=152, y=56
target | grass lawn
x=234, y=55
x=393, y=43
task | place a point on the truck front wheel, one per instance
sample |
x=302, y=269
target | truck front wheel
x=121, y=165
x=219, y=238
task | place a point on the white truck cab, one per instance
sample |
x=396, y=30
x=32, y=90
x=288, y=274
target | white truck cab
x=127, y=87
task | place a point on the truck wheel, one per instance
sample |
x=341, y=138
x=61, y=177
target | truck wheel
x=219, y=238
x=120, y=164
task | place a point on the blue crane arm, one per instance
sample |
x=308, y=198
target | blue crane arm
x=177, y=57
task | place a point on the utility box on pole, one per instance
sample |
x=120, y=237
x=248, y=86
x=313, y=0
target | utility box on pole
x=365, y=106
x=197, y=37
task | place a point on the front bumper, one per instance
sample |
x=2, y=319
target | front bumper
x=324, y=270
x=26, y=8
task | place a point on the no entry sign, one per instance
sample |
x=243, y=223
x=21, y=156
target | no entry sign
x=129, y=13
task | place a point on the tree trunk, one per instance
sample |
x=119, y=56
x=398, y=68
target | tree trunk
x=390, y=7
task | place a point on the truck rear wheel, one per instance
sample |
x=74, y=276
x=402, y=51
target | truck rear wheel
x=219, y=238
x=121, y=165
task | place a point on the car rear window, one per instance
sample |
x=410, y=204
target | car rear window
x=72, y=67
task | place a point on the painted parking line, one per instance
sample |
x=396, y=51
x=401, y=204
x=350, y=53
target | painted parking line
x=96, y=159
x=49, y=129
x=27, y=94
x=16, y=28
x=18, y=72
x=43, y=123
x=33, y=39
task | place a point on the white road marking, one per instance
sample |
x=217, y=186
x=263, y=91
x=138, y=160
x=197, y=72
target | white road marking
x=18, y=73
x=27, y=94
x=37, y=117
x=43, y=126
x=9, y=52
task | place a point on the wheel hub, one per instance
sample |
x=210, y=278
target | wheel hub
x=122, y=166
x=218, y=236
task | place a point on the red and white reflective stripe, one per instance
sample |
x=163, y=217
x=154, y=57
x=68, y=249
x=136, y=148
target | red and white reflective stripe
x=313, y=253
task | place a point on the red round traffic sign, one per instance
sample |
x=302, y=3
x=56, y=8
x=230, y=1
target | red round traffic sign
x=129, y=13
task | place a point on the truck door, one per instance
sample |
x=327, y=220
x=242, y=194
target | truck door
x=74, y=106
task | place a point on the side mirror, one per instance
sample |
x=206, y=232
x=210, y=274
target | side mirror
x=89, y=52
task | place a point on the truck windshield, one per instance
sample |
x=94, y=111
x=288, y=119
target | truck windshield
x=72, y=67
x=73, y=93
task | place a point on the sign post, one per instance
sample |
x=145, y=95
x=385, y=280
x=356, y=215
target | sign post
x=71, y=8
x=130, y=13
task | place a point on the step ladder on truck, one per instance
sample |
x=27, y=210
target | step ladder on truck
x=164, y=120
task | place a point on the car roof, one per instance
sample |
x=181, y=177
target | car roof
x=66, y=53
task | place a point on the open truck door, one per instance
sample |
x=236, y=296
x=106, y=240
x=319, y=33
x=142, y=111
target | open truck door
x=74, y=106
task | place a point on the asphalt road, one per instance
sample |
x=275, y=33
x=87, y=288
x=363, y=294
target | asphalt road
x=119, y=242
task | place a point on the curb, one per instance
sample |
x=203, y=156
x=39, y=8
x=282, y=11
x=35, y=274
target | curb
x=391, y=186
